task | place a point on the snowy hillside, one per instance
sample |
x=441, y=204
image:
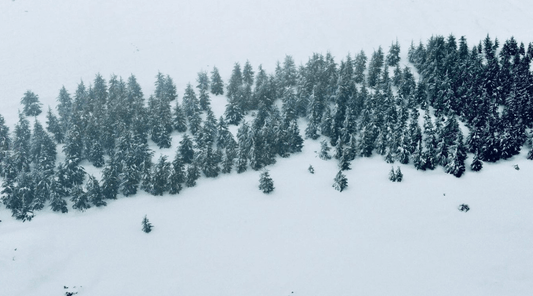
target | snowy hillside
x=224, y=236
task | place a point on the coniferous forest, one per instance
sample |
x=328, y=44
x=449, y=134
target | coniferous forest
x=449, y=100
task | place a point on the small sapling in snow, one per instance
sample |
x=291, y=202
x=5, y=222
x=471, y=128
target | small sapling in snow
x=311, y=169
x=464, y=208
x=147, y=226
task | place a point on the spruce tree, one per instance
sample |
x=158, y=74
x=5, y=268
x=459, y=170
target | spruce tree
x=179, y=121
x=193, y=173
x=80, y=199
x=160, y=176
x=94, y=192
x=399, y=175
x=146, y=225
x=217, y=85
x=22, y=145
x=324, y=150
x=57, y=201
x=110, y=179
x=392, y=175
x=186, y=150
x=311, y=169
x=53, y=126
x=177, y=175
x=32, y=106
x=340, y=182
x=476, y=164
x=266, y=184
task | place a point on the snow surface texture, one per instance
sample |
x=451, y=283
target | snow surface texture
x=225, y=237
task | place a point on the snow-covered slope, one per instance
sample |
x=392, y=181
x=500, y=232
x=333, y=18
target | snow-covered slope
x=225, y=237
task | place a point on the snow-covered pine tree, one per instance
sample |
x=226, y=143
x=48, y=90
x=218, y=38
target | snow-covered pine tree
x=160, y=176
x=392, y=175
x=57, y=201
x=399, y=175
x=32, y=106
x=177, y=175
x=476, y=164
x=80, y=199
x=110, y=179
x=94, y=192
x=311, y=169
x=53, y=126
x=193, y=173
x=340, y=182
x=179, y=119
x=146, y=225
x=266, y=184
x=324, y=150
x=217, y=85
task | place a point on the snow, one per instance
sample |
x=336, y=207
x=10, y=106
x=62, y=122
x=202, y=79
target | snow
x=224, y=236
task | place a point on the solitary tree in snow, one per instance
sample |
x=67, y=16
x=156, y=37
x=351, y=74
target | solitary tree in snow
x=266, y=184
x=147, y=226
x=341, y=182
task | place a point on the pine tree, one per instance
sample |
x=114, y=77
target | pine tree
x=392, y=175
x=147, y=226
x=324, y=150
x=399, y=175
x=64, y=109
x=180, y=122
x=80, y=199
x=193, y=173
x=393, y=57
x=340, y=182
x=476, y=164
x=311, y=169
x=53, y=126
x=94, y=192
x=344, y=160
x=160, y=176
x=266, y=184
x=186, y=150
x=57, y=201
x=32, y=106
x=110, y=179
x=177, y=175
x=22, y=145
x=217, y=85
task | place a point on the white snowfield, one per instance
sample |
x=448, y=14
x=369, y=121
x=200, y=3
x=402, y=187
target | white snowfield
x=224, y=236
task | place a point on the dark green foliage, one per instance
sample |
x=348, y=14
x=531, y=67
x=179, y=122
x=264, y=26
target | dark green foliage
x=375, y=67
x=43, y=150
x=393, y=57
x=177, y=175
x=64, y=109
x=80, y=199
x=266, y=184
x=146, y=225
x=193, y=173
x=57, y=200
x=110, y=179
x=160, y=176
x=217, y=85
x=477, y=164
x=32, y=106
x=399, y=175
x=340, y=182
x=94, y=192
x=392, y=175
x=186, y=150
x=344, y=160
x=180, y=121
x=21, y=156
x=203, y=88
x=311, y=169
x=53, y=126
x=324, y=150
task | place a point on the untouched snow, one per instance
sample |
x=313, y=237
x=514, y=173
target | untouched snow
x=225, y=237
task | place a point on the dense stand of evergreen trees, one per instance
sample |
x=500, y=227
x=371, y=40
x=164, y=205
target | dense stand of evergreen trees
x=357, y=107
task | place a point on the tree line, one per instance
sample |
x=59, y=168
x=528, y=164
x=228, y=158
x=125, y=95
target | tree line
x=357, y=107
